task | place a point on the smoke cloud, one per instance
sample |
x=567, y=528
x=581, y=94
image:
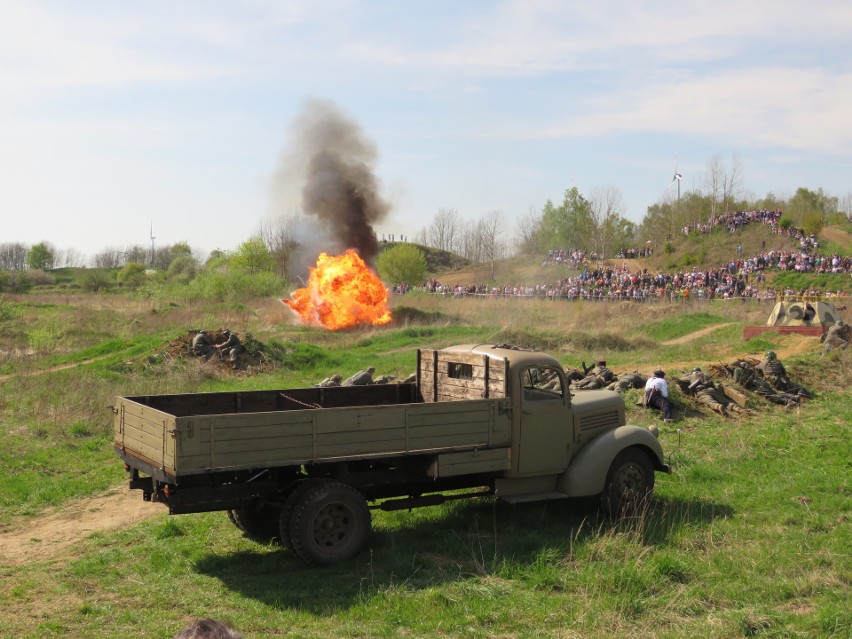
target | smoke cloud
x=333, y=161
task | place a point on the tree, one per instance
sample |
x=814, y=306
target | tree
x=490, y=230
x=569, y=225
x=13, y=256
x=443, y=232
x=606, y=207
x=402, y=264
x=132, y=274
x=280, y=239
x=528, y=238
x=253, y=256
x=40, y=256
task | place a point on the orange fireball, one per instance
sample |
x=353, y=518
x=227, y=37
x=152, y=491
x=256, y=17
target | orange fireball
x=341, y=292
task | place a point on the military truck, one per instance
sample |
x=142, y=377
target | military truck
x=306, y=465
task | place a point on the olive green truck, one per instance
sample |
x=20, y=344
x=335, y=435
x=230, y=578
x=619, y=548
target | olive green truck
x=306, y=465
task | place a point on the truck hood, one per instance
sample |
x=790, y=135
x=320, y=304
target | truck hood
x=596, y=411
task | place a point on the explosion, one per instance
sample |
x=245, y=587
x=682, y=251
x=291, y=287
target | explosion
x=342, y=292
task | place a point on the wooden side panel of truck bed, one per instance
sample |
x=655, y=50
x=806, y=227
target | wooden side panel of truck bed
x=445, y=376
x=200, y=443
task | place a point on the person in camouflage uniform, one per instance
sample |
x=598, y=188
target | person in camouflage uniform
x=597, y=377
x=361, y=378
x=705, y=391
x=746, y=376
x=774, y=372
x=627, y=381
x=230, y=348
x=201, y=345
x=837, y=337
x=329, y=382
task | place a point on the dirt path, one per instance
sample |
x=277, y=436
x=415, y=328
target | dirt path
x=53, y=369
x=685, y=339
x=47, y=536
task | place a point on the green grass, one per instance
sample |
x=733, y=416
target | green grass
x=749, y=537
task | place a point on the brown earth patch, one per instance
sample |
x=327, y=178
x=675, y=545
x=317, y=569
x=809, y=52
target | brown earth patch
x=48, y=536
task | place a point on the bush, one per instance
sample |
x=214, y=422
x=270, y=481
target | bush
x=96, y=280
x=132, y=275
x=182, y=268
x=785, y=222
x=233, y=286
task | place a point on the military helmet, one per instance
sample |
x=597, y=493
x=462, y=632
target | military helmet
x=201, y=331
x=226, y=332
x=696, y=369
x=770, y=355
x=840, y=323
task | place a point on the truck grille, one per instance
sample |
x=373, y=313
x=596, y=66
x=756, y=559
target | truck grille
x=599, y=420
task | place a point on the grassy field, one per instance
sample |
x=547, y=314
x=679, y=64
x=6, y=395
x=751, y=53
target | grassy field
x=749, y=537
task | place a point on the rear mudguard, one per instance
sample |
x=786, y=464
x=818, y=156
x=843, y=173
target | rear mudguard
x=587, y=472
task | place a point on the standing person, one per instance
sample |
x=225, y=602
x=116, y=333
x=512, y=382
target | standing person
x=657, y=395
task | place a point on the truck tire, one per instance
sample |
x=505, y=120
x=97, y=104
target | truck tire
x=286, y=512
x=329, y=523
x=629, y=484
x=258, y=524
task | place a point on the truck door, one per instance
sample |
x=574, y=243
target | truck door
x=545, y=427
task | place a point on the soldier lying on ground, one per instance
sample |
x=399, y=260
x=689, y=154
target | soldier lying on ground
x=626, y=381
x=597, y=377
x=708, y=393
x=329, y=382
x=774, y=372
x=746, y=376
x=361, y=378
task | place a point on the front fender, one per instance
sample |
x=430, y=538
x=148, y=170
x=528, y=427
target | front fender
x=586, y=474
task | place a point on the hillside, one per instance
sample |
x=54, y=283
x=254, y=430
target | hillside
x=682, y=252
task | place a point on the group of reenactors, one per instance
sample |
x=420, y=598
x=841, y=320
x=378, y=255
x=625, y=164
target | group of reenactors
x=361, y=378
x=767, y=379
x=228, y=349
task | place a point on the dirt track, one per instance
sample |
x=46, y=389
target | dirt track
x=49, y=536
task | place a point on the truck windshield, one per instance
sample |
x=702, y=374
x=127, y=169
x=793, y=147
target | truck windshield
x=541, y=383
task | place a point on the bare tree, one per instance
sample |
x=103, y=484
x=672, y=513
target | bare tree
x=109, y=258
x=13, y=256
x=529, y=231
x=491, y=228
x=607, y=206
x=280, y=239
x=69, y=257
x=470, y=244
x=443, y=233
x=715, y=180
x=732, y=181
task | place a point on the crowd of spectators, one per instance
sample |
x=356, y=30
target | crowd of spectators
x=741, y=278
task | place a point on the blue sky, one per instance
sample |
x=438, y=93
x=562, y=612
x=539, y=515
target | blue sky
x=116, y=115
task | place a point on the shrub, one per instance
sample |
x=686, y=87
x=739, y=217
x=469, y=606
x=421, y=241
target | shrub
x=785, y=222
x=132, y=274
x=96, y=280
x=233, y=286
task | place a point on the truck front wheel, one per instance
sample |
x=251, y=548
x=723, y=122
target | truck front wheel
x=629, y=484
x=329, y=523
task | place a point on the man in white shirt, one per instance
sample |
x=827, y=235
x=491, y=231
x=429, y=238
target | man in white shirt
x=657, y=395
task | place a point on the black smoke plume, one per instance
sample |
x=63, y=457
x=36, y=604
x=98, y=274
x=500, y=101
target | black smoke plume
x=339, y=188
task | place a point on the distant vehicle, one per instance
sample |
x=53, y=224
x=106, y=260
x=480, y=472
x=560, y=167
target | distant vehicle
x=306, y=465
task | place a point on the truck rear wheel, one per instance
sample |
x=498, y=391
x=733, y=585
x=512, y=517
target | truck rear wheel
x=629, y=484
x=260, y=524
x=329, y=523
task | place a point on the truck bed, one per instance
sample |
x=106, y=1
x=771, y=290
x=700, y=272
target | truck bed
x=186, y=434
